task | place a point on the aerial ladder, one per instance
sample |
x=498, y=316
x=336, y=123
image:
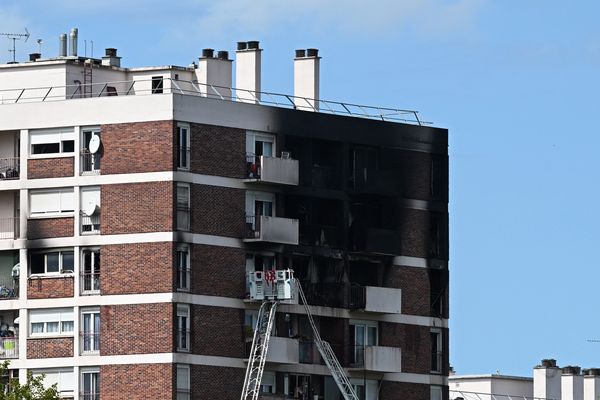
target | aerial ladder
x=273, y=287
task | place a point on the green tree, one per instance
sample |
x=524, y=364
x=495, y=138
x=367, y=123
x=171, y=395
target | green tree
x=33, y=389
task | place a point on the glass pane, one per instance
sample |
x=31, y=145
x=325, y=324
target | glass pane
x=371, y=336
x=96, y=261
x=87, y=262
x=52, y=262
x=68, y=261
x=68, y=146
x=52, y=327
x=67, y=326
x=359, y=337
x=37, y=327
x=267, y=149
x=37, y=263
x=46, y=148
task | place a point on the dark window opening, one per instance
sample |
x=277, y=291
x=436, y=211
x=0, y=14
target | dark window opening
x=46, y=148
x=68, y=146
x=157, y=84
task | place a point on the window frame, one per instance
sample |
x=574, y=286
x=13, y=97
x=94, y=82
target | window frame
x=94, y=395
x=94, y=270
x=439, y=347
x=183, y=311
x=183, y=393
x=95, y=342
x=62, y=136
x=186, y=270
x=61, y=211
x=183, y=127
x=70, y=393
x=45, y=253
x=183, y=209
x=45, y=321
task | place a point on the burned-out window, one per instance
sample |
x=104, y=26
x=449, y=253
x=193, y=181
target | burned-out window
x=157, y=84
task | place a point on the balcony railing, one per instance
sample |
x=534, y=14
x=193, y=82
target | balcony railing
x=321, y=235
x=90, y=225
x=9, y=228
x=283, y=171
x=89, y=396
x=90, y=283
x=190, y=88
x=326, y=294
x=9, y=347
x=9, y=168
x=376, y=358
x=90, y=342
x=90, y=163
x=9, y=288
x=262, y=228
x=358, y=297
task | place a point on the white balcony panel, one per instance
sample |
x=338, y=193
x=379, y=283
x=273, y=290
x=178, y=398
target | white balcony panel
x=383, y=359
x=383, y=300
x=279, y=170
x=276, y=230
x=283, y=350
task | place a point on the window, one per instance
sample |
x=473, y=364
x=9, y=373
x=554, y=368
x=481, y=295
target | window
x=257, y=204
x=183, y=327
x=90, y=210
x=183, y=139
x=90, y=163
x=90, y=271
x=362, y=334
x=183, y=267
x=51, y=322
x=183, y=382
x=90, y=335
x=157, y=84
x=436, y=393
x=90, y=385
x=52, y=141
x=365, y=389
x=183, y=207
x=51, y=202
x=436, y=350
x=268, y=382
x=53, y=262
x=63, y=378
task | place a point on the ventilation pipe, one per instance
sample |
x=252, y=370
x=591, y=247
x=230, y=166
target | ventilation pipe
x=214, y=74
x=571, y=383
x=62, y=45
x=248, y=72
x=546, y=380
x=73, y=40
x=110, y=58
x=306, y=79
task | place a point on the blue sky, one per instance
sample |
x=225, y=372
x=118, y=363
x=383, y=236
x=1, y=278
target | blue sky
x=515, y=82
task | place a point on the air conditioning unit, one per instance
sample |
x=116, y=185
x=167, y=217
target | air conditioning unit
x=286, y=155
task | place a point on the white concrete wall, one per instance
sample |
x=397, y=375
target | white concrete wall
x=546, y=382
x=513, y=387
x=39, y=76
x=8, y=144
x=571, y=387
x=473, y=385
x=306, y=82
x=248, y=75
x=591, y=388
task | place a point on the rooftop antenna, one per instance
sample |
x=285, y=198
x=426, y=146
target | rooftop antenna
x=40, y=42
x=14, y=37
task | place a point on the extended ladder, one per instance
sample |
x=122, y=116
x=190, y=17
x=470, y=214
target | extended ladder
x=260, y=347
x=339, y=376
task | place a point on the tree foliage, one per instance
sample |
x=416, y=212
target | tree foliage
x=32, y=389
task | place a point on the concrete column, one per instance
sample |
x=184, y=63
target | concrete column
x=214, y=74
x=571, y=383
x=547, y=380
x=591, y=384
x=307, y=79
x=248, y=72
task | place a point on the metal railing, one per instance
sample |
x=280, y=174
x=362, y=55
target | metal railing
x=9, y=228
x=90, y=283
x=90, y=342
x=466, y=395
x=252, y=227
x=90, y=163
x=9, y=347
x=9, y=168
x=191, y=88
x=9, y=288
x=253, y=166
x=89, y=396
x=90, y=224
x=358, y=297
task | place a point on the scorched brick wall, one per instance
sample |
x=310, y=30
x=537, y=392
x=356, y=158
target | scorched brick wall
x=49, y=228
x=137, y=208
x=218, y=271
x=138, y=147
x=49, y=288
x=217, y=331
x=218, y=210
x=208, y=382
x=137, y=268
x=414, y=341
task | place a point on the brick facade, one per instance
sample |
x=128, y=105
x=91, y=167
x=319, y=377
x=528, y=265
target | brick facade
x=218, y=210
x=38, y=228
x=50, y=347
x=218, y=271
x=218, y=150
x=208, y=382
x=137, y=268
x=217, y=331
x=137, y=382
x=38, y=168
x=414, y=340
x=137, y=329
x=404, y=391
x=138, y=147
x=137, y=208
x=50, y=288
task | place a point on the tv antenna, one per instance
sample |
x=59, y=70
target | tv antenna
x=14, y=37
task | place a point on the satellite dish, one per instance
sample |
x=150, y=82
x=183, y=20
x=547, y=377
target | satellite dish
x=90, y=209
x=94, y=145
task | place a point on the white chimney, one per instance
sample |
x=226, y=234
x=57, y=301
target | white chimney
x=571, y=383
x=214, y=74
x=591, y=384
x=546, y=380
x=62, y=45
x=73, y=39
x=306, y=79
x=111, y=59
x=247, y=71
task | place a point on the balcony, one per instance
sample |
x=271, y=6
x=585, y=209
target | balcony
x=376, y=299
x=90, y=283
x=283, y=350
x=90, y=163
x=326, y=294
x=377, y=359
x=321, y=176
x=90, y=225
x=262, y=228
x=283, y=171
x=9, y=228
x=90, y=343
x=9, y=347
x=9, y=168
x=321, y=235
